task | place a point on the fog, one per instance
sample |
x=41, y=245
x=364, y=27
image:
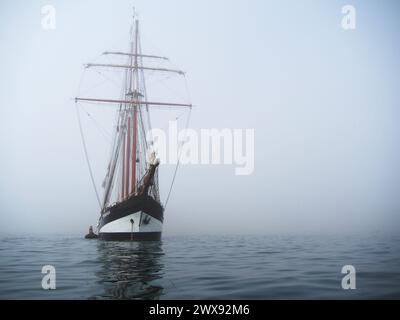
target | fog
x=323, y=103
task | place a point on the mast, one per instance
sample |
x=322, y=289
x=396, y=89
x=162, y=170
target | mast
x=129, y=148
x=128, y=151
x=134, y=138
x=123, y=164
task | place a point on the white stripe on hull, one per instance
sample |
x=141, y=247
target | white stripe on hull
x=124, y=224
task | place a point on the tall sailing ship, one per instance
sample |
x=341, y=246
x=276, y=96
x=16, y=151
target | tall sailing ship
x=132, y=172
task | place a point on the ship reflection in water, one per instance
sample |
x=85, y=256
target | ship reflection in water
x=130, y=270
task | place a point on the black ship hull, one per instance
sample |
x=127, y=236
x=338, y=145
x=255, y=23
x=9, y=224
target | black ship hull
x=138, y=218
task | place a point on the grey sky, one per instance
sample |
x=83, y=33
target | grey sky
x=323, y=102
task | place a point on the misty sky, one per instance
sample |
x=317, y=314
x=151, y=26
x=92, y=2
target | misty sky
x=323, y=102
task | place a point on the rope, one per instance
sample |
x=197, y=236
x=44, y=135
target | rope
x=101, y=129
x=179, y=160
x=86, y=155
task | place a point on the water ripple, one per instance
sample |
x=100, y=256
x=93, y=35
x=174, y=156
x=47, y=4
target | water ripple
x=224, y=267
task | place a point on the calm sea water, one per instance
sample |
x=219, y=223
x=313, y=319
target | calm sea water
x=199, y=267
